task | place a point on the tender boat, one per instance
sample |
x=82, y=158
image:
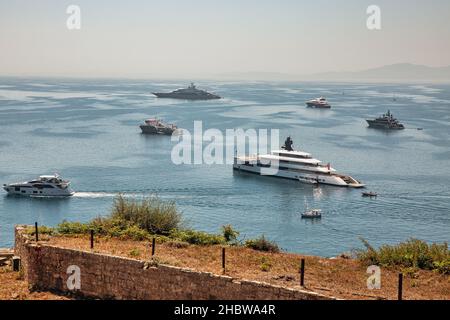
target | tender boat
x=44, y=186
x=295, y=165
x=312, y=214
x=320, y=103
x=369, y=194
x=157, y=126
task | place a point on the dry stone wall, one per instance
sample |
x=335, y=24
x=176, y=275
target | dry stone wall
x=95, y=275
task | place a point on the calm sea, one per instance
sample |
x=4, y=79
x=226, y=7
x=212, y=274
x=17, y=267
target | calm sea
x=87, y=130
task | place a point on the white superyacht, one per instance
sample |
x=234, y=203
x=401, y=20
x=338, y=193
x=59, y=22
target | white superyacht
x=295, y=165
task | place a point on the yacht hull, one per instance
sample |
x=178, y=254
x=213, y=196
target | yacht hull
x=378, y=125
x=303, y=177
x=318, y=106
x=29, y=191
x=156, y=130
x=186, y=96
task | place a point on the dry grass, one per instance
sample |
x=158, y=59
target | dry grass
x=342, y=278
x=13, y=287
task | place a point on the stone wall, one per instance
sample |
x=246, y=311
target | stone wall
x=111, y=277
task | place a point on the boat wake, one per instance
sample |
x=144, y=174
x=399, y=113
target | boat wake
x=105, y=194
x=126, y=194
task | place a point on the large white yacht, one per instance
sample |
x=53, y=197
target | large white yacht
x=44, y=186
x=296, y=165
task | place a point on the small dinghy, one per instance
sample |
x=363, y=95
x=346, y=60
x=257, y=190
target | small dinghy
x=369, y=194
x=312, y=214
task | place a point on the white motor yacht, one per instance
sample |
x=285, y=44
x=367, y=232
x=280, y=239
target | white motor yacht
x=320, y=103
x=312, y=214
x=296, y=165
x=44, y=186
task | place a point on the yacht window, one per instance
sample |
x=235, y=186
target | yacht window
x=294, y=156
x=23, y=191
x=17, y=189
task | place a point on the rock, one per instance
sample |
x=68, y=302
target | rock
x=4, y=261
x=6, y=253
x=284, y=277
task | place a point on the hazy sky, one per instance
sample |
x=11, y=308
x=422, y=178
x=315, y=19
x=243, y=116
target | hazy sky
x=205, y=37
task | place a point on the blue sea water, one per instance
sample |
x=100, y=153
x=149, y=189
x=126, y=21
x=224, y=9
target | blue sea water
x=87, y=130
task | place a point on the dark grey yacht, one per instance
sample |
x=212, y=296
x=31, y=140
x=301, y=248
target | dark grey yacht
x=386, y=121
x=157, y=126
x=189, y=93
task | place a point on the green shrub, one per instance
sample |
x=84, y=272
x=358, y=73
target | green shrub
x=413, y=253
x=442, y=266
x=134, y=233
x=141, y=220
x=150, y=214
x=71, y=228
x=41, y=230
x=265, y=264
x=197, y=237
x=134, y=253
x=262, y=244
x=229, y=234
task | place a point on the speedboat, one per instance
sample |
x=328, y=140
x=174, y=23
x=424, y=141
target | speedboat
x=44, y=186
x=312, y=214
x=320, y=103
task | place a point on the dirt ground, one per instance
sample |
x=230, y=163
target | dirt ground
x=341, y=278
x=14, y=287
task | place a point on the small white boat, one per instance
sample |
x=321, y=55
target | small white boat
x=44, y=186
x=320, y=103
x=312, y=214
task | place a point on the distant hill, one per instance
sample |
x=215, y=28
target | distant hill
x=394, y=72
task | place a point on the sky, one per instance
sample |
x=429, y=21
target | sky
x=149, y=38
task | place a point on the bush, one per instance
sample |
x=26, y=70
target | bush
x=71, y=228
x=265, y=264
x=134, y=253
x=262, y=244
x=142, y=220
x=229, y=234
x=150, y=214
x=41, y=230
x=442, y=266
x=197, y=237
x=134, y=233
x=413, y=253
